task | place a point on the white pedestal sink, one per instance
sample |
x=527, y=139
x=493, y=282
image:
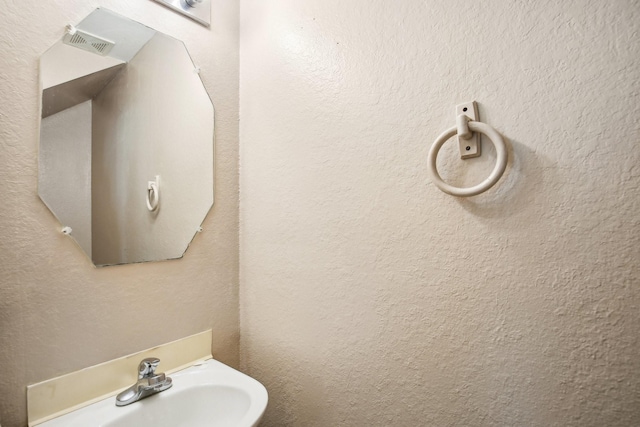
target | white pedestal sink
x=207, y=395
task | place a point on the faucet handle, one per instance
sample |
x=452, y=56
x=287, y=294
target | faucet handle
x=147, y=367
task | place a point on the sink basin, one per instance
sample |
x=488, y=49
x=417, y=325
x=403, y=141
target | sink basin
x=210, y=394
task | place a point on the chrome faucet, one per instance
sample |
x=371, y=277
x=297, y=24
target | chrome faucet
x=148, y=383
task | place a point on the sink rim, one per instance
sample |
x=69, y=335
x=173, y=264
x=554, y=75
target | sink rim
x=208, y=372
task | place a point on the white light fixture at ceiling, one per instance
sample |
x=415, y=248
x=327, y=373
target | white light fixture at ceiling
x=198, y=10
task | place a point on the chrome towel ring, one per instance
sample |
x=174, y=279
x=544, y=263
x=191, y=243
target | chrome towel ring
x=465, y=127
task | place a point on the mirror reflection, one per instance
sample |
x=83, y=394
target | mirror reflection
x=126, y=140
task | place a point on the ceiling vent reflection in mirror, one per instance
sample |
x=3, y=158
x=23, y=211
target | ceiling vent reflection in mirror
x=89, y=42
x=122, y=105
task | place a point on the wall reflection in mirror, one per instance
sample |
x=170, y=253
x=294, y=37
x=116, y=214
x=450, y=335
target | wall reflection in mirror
x=126, y=140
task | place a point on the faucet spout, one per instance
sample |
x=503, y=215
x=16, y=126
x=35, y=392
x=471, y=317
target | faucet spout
x=148, y=383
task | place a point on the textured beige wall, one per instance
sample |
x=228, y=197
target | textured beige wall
x=369, y=297
x=57, y=312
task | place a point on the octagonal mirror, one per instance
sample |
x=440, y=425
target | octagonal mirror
x=126, y=140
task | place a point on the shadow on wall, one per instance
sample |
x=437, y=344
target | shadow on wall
x=303, y=400
x=518, y=189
